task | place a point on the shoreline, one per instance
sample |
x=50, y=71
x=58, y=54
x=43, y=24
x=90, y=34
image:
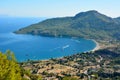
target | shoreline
x=97, y=46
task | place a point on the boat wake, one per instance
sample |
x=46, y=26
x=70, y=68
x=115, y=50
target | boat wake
x=66, y=46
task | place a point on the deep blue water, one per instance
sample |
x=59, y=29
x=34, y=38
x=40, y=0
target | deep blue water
x=37, y=47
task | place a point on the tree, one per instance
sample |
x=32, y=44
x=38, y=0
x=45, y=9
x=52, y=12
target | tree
x=9, y=68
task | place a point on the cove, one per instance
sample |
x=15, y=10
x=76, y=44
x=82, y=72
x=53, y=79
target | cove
x=38, y=47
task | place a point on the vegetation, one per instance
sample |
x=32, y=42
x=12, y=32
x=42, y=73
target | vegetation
x=103, y=64
x=99, y=65
x=9, y=68
x=91, y=25
x=69, y=78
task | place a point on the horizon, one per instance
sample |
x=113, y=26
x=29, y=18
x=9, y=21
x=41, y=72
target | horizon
x=6, y=16
x=55, y=8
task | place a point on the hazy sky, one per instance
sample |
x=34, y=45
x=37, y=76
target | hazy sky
x=57, y=8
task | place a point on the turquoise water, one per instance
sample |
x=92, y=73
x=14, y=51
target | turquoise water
x=37, y=47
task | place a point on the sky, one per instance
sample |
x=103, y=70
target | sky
x=57, y=8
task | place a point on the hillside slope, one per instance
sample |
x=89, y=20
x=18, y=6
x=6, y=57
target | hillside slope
x=90, y=24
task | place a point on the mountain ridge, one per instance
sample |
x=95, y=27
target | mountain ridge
x=90, y=24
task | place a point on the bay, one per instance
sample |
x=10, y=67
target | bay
x=37, y=47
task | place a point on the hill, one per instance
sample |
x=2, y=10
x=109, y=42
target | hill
x=90, y=24
x=102, y=64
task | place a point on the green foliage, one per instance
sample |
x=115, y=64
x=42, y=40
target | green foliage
x=10, y=56
x=35, y=77
x=9, y=68
x=69, y=78
x=89, y=24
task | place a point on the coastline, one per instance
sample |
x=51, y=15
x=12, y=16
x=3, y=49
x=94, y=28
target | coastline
x=97, y=45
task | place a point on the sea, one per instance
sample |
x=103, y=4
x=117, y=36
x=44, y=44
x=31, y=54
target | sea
x=32, y=47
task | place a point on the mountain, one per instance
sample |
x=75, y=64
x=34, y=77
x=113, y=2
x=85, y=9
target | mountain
x=117, y=20
x=90, y=24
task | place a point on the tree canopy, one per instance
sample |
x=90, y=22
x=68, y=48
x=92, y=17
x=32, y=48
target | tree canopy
x=9, y=68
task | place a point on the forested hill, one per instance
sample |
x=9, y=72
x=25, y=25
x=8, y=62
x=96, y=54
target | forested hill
x=90, y=24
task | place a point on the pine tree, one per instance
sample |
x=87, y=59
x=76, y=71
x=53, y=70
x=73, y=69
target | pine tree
x=9, y=68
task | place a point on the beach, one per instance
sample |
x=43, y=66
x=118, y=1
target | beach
x=97, y=46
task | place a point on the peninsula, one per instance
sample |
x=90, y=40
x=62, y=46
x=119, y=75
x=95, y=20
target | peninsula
x=90, y=25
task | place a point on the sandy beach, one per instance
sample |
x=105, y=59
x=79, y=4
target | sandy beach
x=97, y=46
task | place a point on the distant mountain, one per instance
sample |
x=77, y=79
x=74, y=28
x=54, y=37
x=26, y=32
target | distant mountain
x=90, y=24
x=117, y=20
